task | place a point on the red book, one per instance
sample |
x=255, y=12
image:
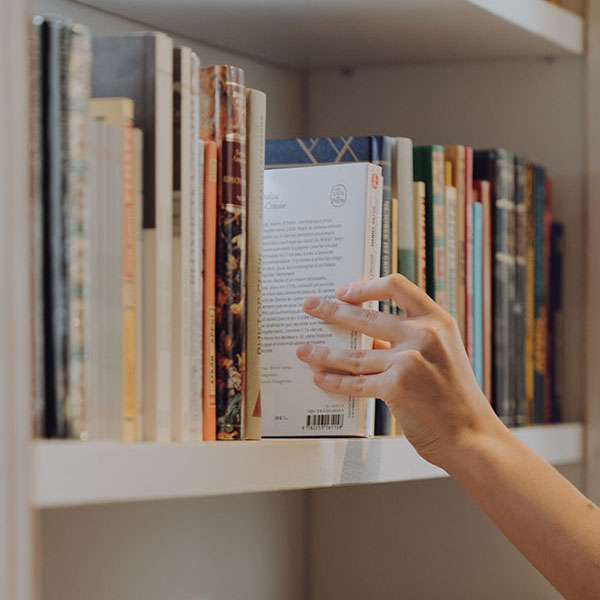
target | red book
x=469, y=252
x=481, y=193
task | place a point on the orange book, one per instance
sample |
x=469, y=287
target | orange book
x=209, y=398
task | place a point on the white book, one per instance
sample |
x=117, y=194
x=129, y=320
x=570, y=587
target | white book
x=322, y=229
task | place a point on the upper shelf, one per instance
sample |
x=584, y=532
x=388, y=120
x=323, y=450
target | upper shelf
x=345, y=33
x=69, y=473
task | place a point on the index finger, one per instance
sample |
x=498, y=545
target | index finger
x=409, y=297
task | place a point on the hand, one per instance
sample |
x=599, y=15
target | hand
x=425, y=376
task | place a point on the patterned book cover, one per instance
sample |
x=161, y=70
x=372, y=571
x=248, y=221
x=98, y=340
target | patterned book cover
x=497, y=166
x=450, y=202
x=521, y=410
x=540, y=320
x=478, y=292
x=420, y=235
x=556, y=332
x=429, y=168
x=481, y=191
x=223, y=120
x=530, y=293
x=469, y=250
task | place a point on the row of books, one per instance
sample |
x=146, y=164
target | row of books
x=146, y=222
x=474, y=230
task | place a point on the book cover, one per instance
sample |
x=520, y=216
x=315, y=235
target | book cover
x=456, y=155
x=450, y=204
x=481, y=194
x=469, y=251
x=118, y=112
x=209, y=350
x=556, y=327
x=140, y=66
x=530, y=293
x=420, y=235
x=497, y=166
x=478, y=292
x=223, y=110
x=519, y=306
x=256, y=115
x=402, y=189
x=322, y=229
x=429, y=168
x=545, y=361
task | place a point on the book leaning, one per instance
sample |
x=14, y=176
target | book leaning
x=322, y=229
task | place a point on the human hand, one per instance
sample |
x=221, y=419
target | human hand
x=425, y=376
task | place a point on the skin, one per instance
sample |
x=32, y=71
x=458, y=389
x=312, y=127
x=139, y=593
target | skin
x=421, y=370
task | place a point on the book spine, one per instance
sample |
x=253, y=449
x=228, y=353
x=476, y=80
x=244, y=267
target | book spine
x=478, y=292
x=438, y=229
x=450, y=202
x=209, y=352
x=468, y=327
x=194, y=429
x=394, y=244
x=530, y=294
x=556, y=332
x=420, y=234
x=404, y=193
x=548, y=302
x=256, y=114
x=521, y=410
x=224, y=120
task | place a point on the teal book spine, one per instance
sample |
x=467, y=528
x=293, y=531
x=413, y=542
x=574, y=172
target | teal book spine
x=477, y=209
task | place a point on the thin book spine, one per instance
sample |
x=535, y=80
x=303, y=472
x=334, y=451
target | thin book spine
x=477, y=291
x=530, y=294
x=256, y=116
x=556, y=332
x=469, y=251
x=548, y=299
x=403, y=186
x=450, y=206
x=420, y=235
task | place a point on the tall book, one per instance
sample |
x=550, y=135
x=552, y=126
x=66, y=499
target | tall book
x=481, y=194
x=469, y=250
x=224, y=121
x=209, y=349
x=556, y=332
x=478, y=292
x=322, y=229
x=456, y=155
x=530, y=293
x=519, y=306
x=118, y=112
x=429, y=168
x=402, y=189
x=497, y=166
x=256, y=115
x=420, y=229
x=117, y=71
x=181, y=369
x=332, y=150
x=545, y=338
x=451, y=250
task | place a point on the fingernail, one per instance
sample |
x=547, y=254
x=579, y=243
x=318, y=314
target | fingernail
x=343, y=291
x=312, y=302
x=304, y=350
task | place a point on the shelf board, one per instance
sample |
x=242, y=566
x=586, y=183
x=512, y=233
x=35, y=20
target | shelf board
x=70, y=473
x=306, y=33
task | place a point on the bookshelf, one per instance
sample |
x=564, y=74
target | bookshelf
x=526, y=63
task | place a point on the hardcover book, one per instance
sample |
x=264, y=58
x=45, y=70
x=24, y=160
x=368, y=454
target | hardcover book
x=322, y=229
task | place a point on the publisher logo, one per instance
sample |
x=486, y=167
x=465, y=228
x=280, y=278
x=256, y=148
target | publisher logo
x=338, y=195
x=375, y=180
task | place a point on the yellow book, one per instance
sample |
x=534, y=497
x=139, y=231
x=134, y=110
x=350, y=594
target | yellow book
x=119, y=112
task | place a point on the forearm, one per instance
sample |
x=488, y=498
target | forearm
x=555, y=527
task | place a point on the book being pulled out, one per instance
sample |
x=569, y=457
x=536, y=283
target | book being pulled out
x=322, y=229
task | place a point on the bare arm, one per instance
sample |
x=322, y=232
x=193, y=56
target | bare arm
x=426, y=379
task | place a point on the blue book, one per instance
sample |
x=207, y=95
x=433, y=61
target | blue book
x=478, y=292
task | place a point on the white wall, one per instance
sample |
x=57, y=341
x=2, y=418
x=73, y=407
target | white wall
x=535, y=108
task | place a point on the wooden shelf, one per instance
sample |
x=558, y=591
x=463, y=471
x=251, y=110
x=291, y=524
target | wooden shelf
x=70, y=473
x=305, y=33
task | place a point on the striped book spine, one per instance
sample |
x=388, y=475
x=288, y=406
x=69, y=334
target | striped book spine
x=420, y=235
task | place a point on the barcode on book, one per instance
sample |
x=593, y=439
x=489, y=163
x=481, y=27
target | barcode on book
x=330, y=421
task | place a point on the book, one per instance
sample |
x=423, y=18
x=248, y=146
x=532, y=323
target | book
x=116, y=71
x=209, y=350
x=469, y=250
x=181, y=256
x=420, y=234
x=224, y=121
x=481, y=194
x=456, y=155
x=429, y=168
x=322, y=229
x=556, y=332
x=519, y=306
x=530, y=293
x=451, y=247
x=544, y=361
x=402, y=189
x=497, y=166
x=118, y=112
x=478, y=291
x=256, y=115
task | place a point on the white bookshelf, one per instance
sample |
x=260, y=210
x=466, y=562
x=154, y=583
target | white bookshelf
x=301, y=33
x=75, y=473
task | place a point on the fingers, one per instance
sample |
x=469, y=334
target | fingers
x=359, y=386
x=370, y=322
x=353, y=361
x=410, y=298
